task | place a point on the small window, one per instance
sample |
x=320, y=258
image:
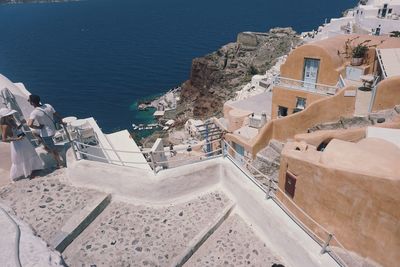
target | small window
x=358, y=11
x=379, y=12
x=300, y=103
x=390, y=10
x=282, y=111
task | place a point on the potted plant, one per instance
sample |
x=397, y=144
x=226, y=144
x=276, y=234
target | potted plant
x=358, y=53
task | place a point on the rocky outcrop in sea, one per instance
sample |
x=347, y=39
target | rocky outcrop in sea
x=216, y=77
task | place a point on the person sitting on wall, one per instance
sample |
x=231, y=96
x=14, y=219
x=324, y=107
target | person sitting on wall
x=43, y=115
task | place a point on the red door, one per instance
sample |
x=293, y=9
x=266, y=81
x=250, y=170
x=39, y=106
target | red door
x=290, y=184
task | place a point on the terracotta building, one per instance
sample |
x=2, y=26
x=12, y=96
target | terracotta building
x=350, y=185
x=321, y=80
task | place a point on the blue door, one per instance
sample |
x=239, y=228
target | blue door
x=239, y=153
x=311, y=67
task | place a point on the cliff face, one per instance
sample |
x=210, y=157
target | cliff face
x=217, y=76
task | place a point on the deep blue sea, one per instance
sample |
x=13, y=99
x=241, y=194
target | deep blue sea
x=98, y=57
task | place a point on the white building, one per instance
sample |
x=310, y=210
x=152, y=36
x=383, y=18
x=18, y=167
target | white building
x=378, y=17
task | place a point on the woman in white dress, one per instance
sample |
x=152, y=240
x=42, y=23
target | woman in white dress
x=24, y=158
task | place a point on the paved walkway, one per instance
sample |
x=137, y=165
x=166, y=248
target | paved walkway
x=234, y=244
x=137, y=235
x=196, y=232
x=45, y=203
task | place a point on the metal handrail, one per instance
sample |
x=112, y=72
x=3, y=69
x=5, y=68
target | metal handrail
x=188, y=158
x=150, y=153
x=272, y=182
x=98, y=157
x=299, y=85
x=185, y=149
x=320, y=241
x=109, y=149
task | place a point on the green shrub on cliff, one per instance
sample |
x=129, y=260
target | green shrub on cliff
x=252, y=70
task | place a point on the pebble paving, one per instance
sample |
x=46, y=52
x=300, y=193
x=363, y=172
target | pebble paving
x=234, y=244
x=137, y=235
x=45, y=203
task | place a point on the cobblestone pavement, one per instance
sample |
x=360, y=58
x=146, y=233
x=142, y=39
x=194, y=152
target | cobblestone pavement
x=132, y=235
x=45, y=203
x=233, y=244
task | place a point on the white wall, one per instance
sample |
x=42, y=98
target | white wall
x=181, y=184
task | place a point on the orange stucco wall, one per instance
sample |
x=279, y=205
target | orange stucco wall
x=324, y=110
x=329, y=68
x=235, y=117
x=387, y=94
x=287, y=98
x=361, y=210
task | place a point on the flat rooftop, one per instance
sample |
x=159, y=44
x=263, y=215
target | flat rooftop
x=256, y=104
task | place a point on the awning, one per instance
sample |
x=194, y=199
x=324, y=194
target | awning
x=389, y=60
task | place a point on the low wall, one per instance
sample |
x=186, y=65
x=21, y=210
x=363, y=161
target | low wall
x=387, y=94
x=235, y=117
x=350, y=135
x=316, y=138
x=143, y=185
x=271, y=224
x=182, y=183
x=324, y=110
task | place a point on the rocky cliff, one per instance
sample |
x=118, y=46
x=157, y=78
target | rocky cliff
x=217, y=76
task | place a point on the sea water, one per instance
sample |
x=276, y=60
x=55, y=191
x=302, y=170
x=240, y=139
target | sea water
x=97, y=58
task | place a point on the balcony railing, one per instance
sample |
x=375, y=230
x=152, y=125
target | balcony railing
x=306, y=86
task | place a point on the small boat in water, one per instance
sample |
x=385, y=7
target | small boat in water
x=141, y=127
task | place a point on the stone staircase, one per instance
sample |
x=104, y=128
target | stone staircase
x=268, y=162
x=371, y=119
x=90, y=228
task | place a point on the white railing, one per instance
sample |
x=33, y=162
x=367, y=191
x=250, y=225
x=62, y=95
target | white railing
x=317, y=88
x=327, y=244
x=190, y=156
x=341, y=83
x=226, y=151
